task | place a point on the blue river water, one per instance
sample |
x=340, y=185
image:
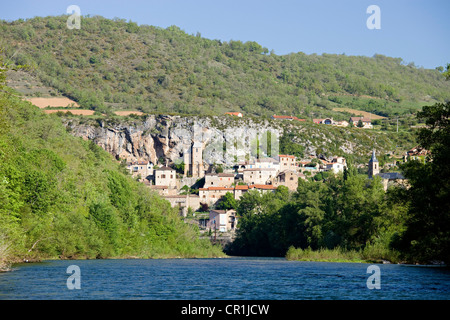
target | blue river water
x=221, y=279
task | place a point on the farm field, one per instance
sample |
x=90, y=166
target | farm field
x=53, y=102
x=360, y=113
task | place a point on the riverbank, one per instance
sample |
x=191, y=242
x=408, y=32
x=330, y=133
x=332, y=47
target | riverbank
x=340, y=255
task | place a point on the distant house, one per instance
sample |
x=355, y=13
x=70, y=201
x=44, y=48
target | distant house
x=165, y=176
x=259, y=175
x=287, y=162
x=367, y=123
x=183, y=202
x=210, y=195
x=338, y=164
x=143, y=169
x=219, y=179
x=288, y=178
x=236, y=114
x=324, y=121
x=222, y=220
x=162, y=190
x=341, y=123
x=417, y=153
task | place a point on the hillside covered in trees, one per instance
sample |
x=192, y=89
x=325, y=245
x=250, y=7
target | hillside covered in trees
x=117, y=65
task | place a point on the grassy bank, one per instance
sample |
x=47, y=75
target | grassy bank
x=368, y=255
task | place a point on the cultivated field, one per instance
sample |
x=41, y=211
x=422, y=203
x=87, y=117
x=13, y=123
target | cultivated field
x=73, y=111
x=127, y=113
x=53, y=102
x=365, y=114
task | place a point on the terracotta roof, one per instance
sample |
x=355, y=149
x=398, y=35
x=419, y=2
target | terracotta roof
x=282, y=117
x=234, y=113
x=241, y=187
x=286, y=156
x=216, y=188
x=263, y=186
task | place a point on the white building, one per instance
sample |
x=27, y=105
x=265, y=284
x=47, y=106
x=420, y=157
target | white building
x=338, y=164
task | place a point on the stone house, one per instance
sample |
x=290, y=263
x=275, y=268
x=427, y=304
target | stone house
x=211, y=195
x=287, y=162
x=165, y=176
x=219, y=179
x=144, y=169
x=222, y=220
x=288, y=178
x=162, y=190
x=184, y=202
x=259, y=175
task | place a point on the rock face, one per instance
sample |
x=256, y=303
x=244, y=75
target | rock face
x=163, y=139
x=166, y=138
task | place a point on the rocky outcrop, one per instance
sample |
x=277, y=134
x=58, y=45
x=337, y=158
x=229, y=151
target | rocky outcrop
x=225, y=140
x=166, y=138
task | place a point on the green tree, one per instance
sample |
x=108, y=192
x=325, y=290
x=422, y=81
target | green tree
x=227, y=202
x=427, y=234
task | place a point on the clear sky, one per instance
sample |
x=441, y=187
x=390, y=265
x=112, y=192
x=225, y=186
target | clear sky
x=415, y=30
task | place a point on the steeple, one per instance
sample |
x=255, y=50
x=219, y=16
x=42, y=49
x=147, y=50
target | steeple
x=374, y=167
x=373, y=158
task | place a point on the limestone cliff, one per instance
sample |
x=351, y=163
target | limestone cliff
x=161, y=138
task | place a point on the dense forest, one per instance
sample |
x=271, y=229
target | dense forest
x=63, y=197
x=117, y=65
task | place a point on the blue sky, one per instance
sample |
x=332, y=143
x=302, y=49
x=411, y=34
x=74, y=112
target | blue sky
x=414, y=30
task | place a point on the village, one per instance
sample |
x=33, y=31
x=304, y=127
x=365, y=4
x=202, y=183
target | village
x=196, y=188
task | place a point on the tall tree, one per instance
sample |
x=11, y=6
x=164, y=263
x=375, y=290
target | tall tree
x=427, y=234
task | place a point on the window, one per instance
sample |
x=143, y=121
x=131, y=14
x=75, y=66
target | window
x=171, y=176
x=163, y=176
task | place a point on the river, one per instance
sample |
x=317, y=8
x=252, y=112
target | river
x=226, y=279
